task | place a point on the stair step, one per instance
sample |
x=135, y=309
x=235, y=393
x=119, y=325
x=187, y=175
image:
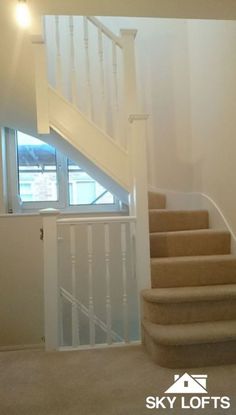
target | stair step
x=193, y=271
x=191, y=345
x=189, y=243
x=156, y=200
x=177, y=220
x=190, y=304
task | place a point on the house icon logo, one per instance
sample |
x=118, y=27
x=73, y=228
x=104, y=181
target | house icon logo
x=188, y=392
x=194, y=384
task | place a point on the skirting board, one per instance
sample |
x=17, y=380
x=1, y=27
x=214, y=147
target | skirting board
x=196, y=200
x=12, y=348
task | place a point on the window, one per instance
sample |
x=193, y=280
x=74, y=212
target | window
x=43, y=177
x=83, y=190
x=37, y=170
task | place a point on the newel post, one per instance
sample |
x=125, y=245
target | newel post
x=41, y=78
x=139, y=195
x=51, y=287
x=136, y=129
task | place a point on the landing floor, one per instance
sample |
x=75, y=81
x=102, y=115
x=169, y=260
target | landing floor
x=98, y=382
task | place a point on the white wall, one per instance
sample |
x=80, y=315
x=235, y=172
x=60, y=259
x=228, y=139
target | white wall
x=164, y=93
x=213, y=107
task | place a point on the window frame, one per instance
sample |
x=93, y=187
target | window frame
x=15, y=205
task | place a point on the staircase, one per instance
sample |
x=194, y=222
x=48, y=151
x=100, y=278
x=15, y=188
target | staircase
x=189, y=314
x=87, y=107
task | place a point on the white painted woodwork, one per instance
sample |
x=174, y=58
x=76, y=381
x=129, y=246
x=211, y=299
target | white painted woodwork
x=116, y=110
x=138, y=138
x=75, y=315
x=130, y=82
x=87, y=69
x=58, y=56
x=97, y=219
x=125, y=163
x=83, y=309
x=125, y=224
x=41, y=84
x=108, y=282
x=74, y=127
x=102, y=80
x=3, y=173
x=105, y=30
x=124, y=282
x=90, y=284
x=73, y=85
x=51, y=289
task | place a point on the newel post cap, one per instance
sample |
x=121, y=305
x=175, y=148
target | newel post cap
x=49, y=212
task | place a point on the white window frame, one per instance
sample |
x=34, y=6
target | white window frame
x=16, y=206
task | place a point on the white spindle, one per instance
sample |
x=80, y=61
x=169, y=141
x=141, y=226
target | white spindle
x=87, y=69
x=108, y=282
x=75, y=317
x=124, y=280
x=102, y=79
x=72, y=64
x=116, y=113
x=132, y=239
x=58, y=56
x=90, y=284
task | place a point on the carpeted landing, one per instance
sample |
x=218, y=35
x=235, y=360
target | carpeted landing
x=113, y=381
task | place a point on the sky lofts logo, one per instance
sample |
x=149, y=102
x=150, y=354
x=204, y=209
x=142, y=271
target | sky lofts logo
x=188, y=385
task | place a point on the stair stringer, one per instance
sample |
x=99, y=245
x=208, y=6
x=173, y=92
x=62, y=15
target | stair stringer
x=88, y=145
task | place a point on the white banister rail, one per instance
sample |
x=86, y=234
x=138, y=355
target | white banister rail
x=105, y=30
x=96, y=219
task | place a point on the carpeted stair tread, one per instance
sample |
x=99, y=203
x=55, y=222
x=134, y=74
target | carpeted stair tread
x=163, y=220
x=195, y=333
x=190, y=294
x=189, y=314
x=189, y=243
x=193, y=270
x=156, y=200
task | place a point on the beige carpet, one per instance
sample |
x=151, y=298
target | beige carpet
x=106, y=381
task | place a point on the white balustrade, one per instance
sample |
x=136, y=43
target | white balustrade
x=93, y=82
x=122, y=51
x=108, y=225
